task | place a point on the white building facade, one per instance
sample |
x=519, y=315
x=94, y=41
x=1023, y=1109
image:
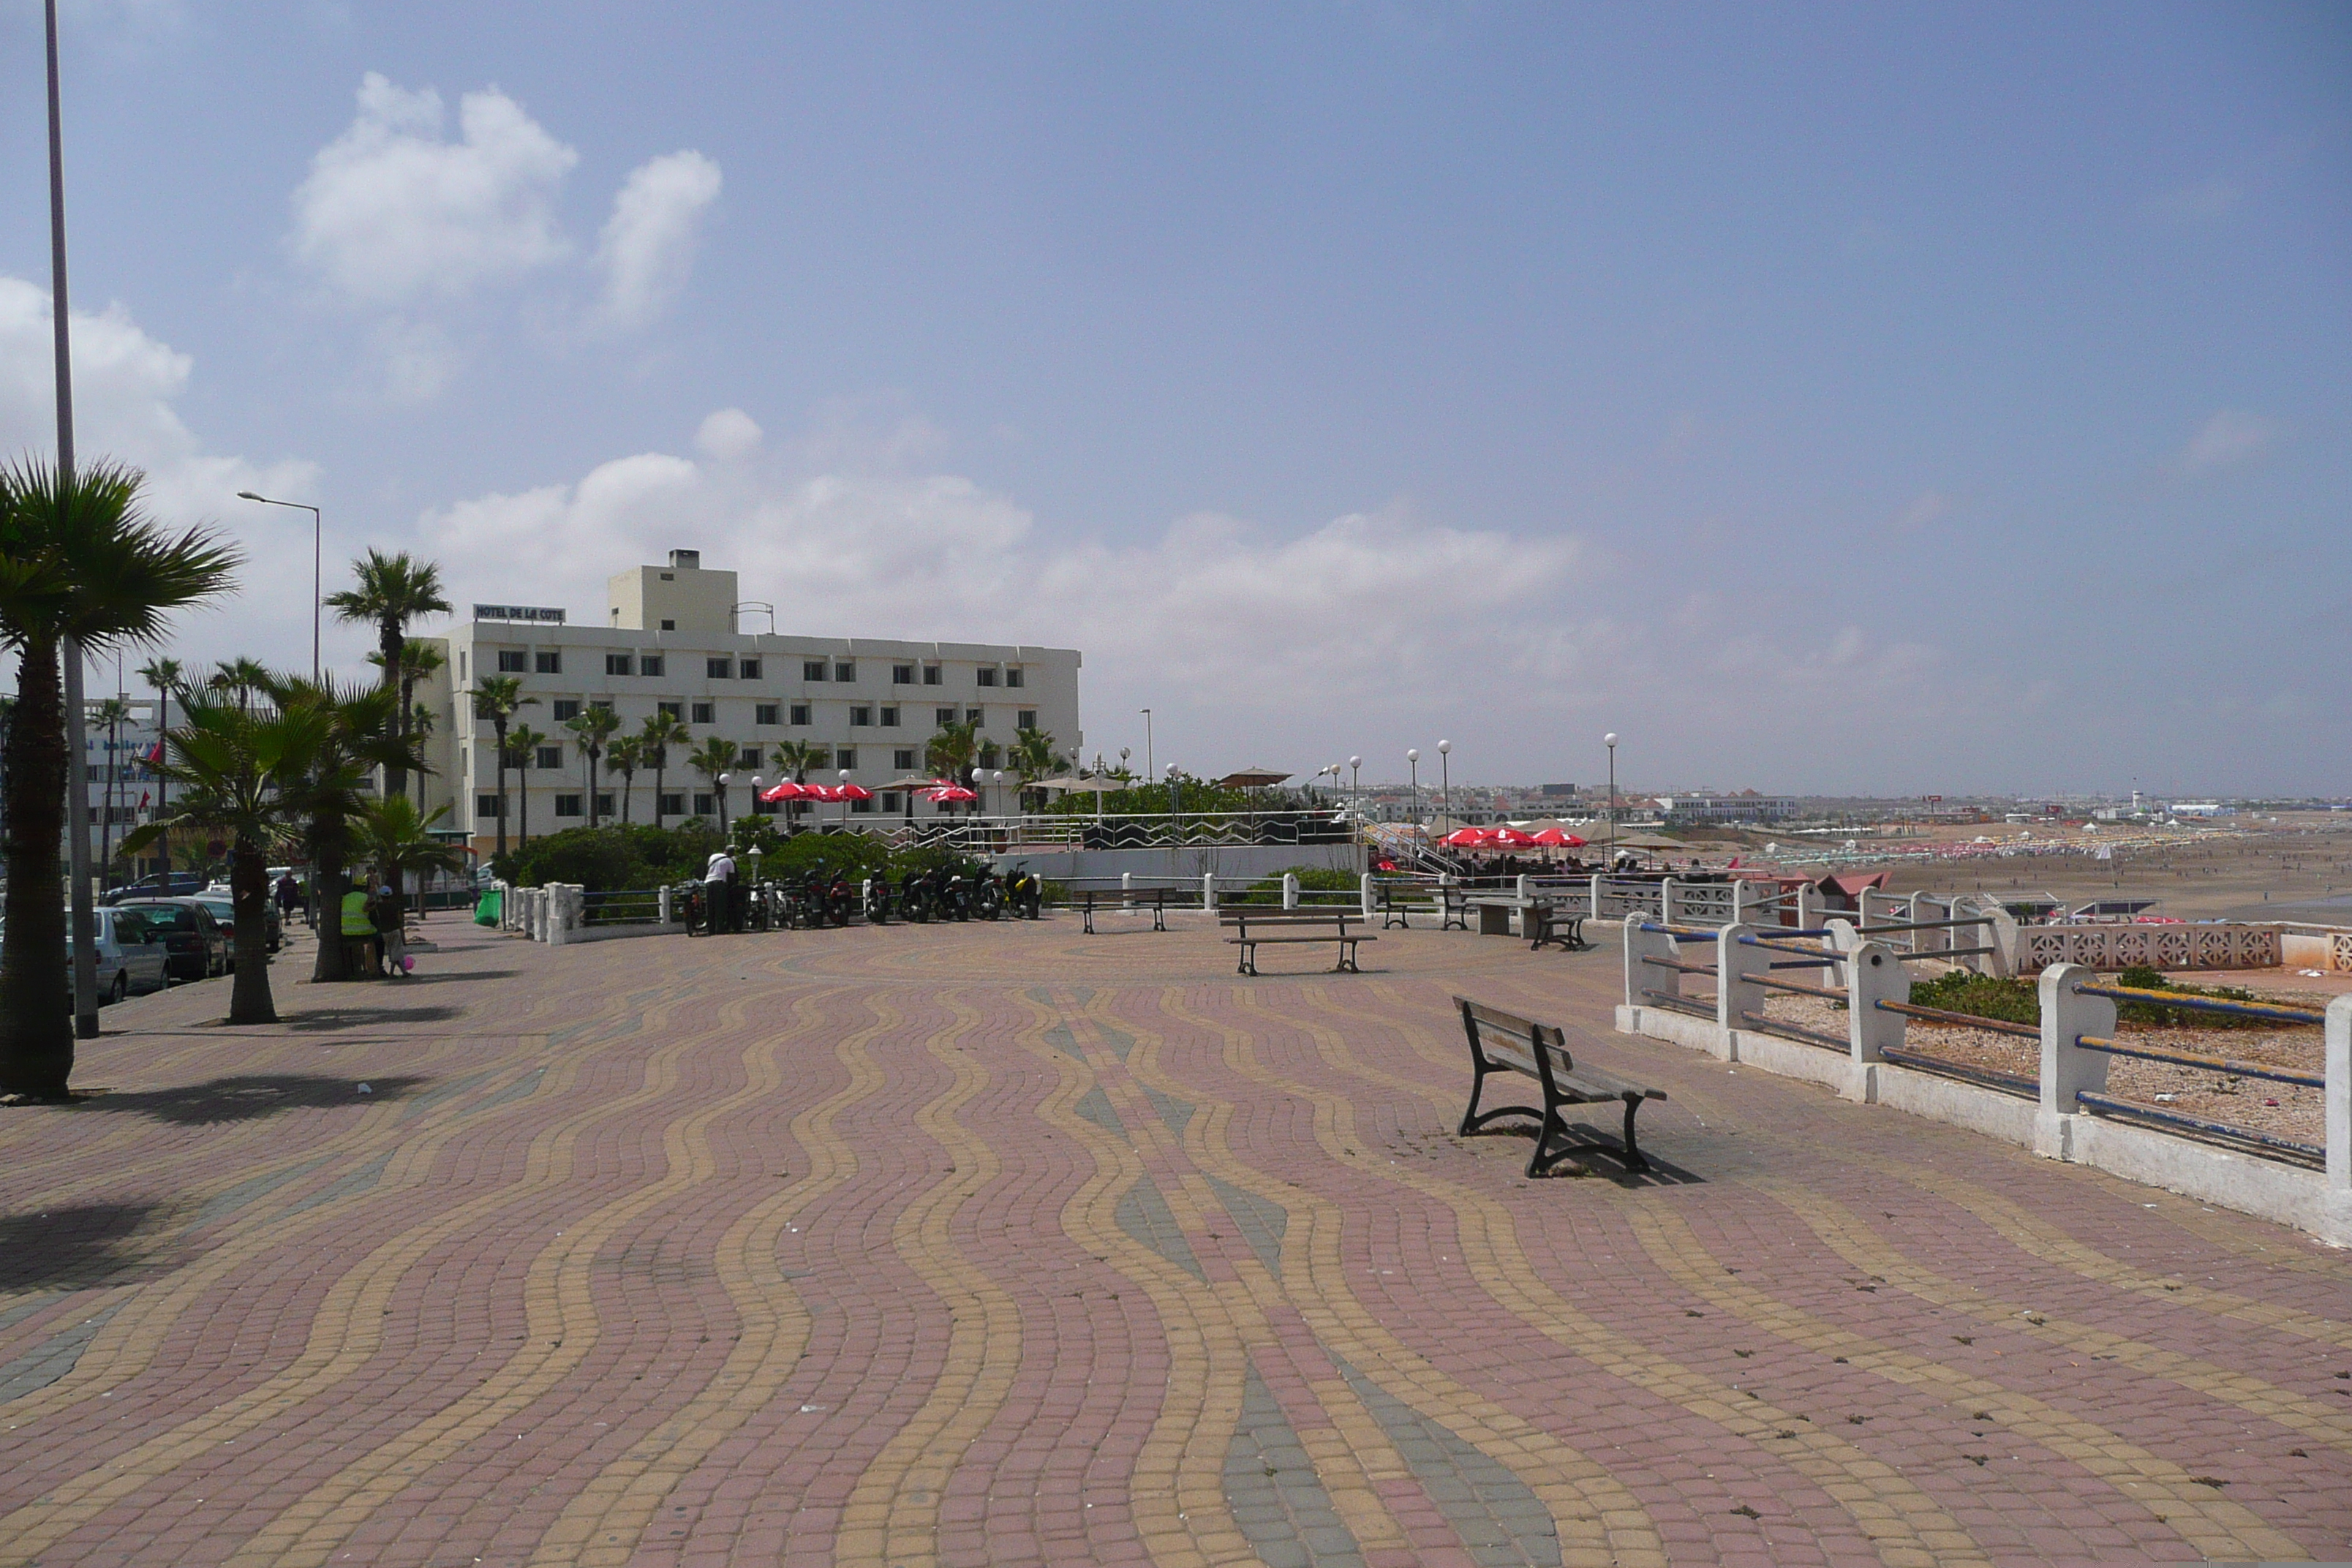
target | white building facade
x=670, y=641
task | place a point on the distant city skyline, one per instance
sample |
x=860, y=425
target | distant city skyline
x=1827, y=401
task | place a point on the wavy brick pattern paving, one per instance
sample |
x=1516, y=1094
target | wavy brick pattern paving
x=1009, y=1244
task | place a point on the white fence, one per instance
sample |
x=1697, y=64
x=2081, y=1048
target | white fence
x=2060, y=1113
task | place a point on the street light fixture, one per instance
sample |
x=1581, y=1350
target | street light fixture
x=722, y=781
x=1147, y=743
x=1175, y=801
x=318, y=550
x=1356, y=807
x=1444, y=780
x=1413, y=759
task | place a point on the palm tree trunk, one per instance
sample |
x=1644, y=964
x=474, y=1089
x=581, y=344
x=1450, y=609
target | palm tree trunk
x=250, y=1001
x=330, y=883
x=390, y=640
x=628, y=778
x=499, y=731
x=37, y=1039
x=163, y=785
x=593, y=818
x=661, y=766
x=523, y=828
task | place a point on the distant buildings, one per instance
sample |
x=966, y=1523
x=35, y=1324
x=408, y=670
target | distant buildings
x=1747, y=805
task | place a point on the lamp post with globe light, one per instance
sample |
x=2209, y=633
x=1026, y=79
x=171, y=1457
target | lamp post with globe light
x=1444, y=780
x=1610, y=740
x=1413, y=761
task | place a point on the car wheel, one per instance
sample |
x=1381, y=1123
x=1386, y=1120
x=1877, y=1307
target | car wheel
x=122, y=991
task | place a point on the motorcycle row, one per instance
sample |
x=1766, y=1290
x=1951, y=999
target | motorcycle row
x=819, y=898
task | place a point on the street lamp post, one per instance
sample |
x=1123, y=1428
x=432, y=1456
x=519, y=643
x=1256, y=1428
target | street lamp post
x=1413, y=759
x=1610, y=740
x=1175, y=801
x=721, y=782
x=318, y=550
x=1356, y=807
x=1147, y=743
x=1444, y=780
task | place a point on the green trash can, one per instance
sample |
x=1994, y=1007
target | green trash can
x=487, y=909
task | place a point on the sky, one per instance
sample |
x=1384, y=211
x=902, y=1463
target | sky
x=1823, y=398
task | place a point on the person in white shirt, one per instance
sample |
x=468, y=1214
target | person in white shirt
x=718, y=891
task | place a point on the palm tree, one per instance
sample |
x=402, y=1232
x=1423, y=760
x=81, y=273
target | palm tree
x=711, y=759
x=242, y=772
x=361, y=737
x=624, y=756
x=798, y=757
x=418, y=659
x=497, y=697
x=79, y=562
x=163, y=674
x=954, y=752
x=396, y=841
x=523, y=744
x=659, y=732
x=392, y=591
x=112, y=713
x=591, y=728
x=1033, y=756
x=243, y=679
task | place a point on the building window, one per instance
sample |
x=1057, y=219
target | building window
x=673, y=805
x=902, y=674
x=649, y=664
x=567, y=805
x=702, y=713
x=1028, y=718
x=930, y=675
x=748, y=669
x=944, y=717
x=1015, y=678
x=975, y=716
x=987, y=675
x=670, y=709
x=813, y=669
x=845, y=758
x=603, y=803
x=669, y=625
x=765, y=807
x=601, y=704
x=861, y=718
x=768, y=713
x=987, y=755
x=486, y=806
x=719, y=669
x=903, y=760
x=890, y=800
x=618, y=664
x=704, y=804
x=513, y=662
x=865, y=805
x=889, y=718
x=549, y=759
x=747, y=757
x=565, y=709
x=547, y=663
x=844, y=672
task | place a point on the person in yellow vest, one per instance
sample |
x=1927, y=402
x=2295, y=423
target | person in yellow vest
x=358, y=927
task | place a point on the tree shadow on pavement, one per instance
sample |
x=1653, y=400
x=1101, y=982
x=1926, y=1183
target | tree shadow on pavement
x=445, y=977
x=246, y=1097
x=71, y=1247
x=319, y=1020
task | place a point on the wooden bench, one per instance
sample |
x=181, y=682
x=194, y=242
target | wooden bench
x=1285, y=926
x=1392, y=909
x=1128, y=902
x=1547, y=922
x=1502, y=1042
x=1454, y=908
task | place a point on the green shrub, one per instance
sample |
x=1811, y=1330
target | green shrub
x=1316, y=879
x=2140, y=977
x=1979, y=996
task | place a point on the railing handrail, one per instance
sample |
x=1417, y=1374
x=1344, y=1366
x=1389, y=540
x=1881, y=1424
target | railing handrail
x=2203, y=1004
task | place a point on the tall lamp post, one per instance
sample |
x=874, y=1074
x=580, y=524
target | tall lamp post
x=81, y=916
x=1610, y=740
x=720, y=783
x=318, y=550
x=1355, y=810
x=1444, y=780
x=1147, y=743
x=1175, y=801
x=1412, y=759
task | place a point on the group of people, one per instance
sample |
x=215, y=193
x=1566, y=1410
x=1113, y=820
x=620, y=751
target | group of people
x=377, y=923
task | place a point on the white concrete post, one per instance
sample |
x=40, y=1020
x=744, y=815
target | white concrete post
x=1739, y=901
x=1640, y=977
x=1372, y=897
x=1527, y=888
x=662, y=900
x=2001, y=936
x=1809, y=908
x=1842, y=941
x=1924, y=909
x=558, y=925
x=1209, y=890
x=1127, y=889
x=2066, y=1069
x=1876, y=975
x=1667, y=902
x=1596, y=896
x=2337, y=1210
x=1290, y=889
x=1737, y=965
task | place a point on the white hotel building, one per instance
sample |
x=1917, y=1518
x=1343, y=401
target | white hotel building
x=670, y=640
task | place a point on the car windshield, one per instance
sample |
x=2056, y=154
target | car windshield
x=131, y=927
x=169, y=917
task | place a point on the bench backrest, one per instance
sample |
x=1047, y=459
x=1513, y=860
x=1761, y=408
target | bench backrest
x=1241, y=915
x=1517, y=1042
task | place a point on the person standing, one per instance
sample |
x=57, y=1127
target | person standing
x=358, y=927
x=391, y=926
x=719, y=892
x=289, y=895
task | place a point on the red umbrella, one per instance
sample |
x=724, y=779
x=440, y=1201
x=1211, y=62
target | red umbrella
x=786, y=790
x=949, y=793
x=1464, y=837
x=1559, y=839
x=1511, y=838
x=821, y=792
x=853, y=792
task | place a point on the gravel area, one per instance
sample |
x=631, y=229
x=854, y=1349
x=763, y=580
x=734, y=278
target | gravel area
x=2286, y=1111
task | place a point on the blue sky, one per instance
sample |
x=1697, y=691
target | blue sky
x=1829, y=398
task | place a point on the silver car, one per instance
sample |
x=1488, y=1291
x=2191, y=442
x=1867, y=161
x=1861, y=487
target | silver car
x=131, y=957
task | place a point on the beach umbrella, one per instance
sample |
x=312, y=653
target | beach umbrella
x=949, y=794
x=853, y=792
x=1558, y=838
x=820, y=791
x=785, y=790
x=1510, y=838
x=1464, y=837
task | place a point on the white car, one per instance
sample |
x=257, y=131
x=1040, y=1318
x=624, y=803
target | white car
x=132, y=960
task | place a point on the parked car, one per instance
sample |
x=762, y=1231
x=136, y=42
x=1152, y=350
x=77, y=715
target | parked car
x=224, y=909
x=130, y=956
x=199, y=944
x=157, y=884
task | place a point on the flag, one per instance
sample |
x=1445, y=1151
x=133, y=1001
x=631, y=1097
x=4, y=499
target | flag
x=154, y=754
x=145, y=796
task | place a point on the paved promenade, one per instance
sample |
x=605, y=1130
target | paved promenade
x=1000, y=1245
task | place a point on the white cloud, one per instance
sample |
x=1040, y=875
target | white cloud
x=647, y=247
x=392, y=213
x=727, y=435
x=2231, y=436
x=125, y=385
